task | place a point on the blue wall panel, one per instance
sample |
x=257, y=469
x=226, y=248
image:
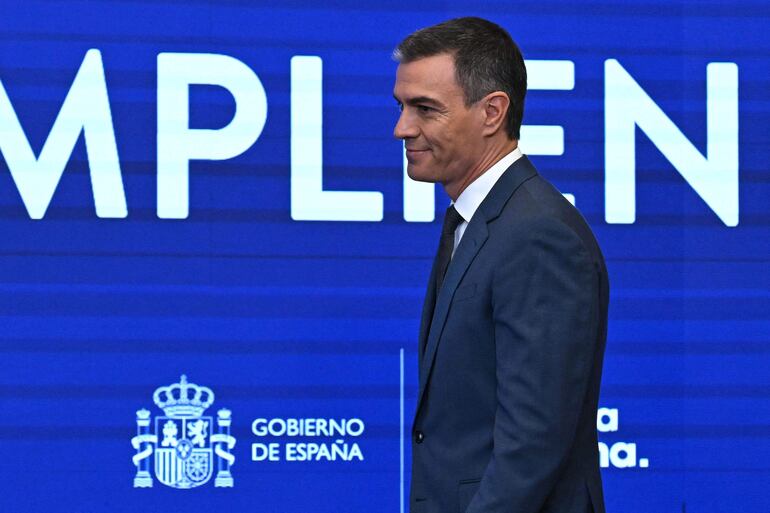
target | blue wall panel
x=318, y=319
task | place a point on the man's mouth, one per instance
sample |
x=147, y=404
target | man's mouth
x=415, y=155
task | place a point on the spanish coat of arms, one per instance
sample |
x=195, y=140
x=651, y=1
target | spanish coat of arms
x=186, y=448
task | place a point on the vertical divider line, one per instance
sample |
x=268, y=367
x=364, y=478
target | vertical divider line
x=401, y=423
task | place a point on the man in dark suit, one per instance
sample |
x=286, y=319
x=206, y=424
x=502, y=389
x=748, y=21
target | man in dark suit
x=514, y=323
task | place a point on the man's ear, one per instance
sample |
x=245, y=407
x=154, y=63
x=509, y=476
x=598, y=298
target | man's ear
x=496, y=107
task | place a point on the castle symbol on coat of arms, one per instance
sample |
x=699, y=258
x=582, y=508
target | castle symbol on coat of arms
x=186, y=448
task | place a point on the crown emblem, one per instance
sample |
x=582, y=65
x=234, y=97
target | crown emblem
x=183, y=399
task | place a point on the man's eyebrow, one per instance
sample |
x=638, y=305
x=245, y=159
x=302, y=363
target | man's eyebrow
x=417, y=100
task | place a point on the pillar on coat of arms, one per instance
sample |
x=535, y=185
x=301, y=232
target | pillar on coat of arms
x=222, y=449
x=143, y=447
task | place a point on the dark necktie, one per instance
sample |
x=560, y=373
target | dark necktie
x=452, y=220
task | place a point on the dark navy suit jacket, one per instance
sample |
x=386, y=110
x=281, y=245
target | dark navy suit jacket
x=513, y=348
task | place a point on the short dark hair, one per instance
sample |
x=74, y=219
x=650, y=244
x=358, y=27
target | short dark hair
x=486, y=60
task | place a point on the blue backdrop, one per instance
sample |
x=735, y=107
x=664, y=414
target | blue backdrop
x=288, y=318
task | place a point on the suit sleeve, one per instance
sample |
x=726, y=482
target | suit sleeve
x=544, y=301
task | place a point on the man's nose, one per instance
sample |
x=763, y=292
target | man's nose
x=405, y=127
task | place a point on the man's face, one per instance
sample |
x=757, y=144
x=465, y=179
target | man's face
x=443, y=137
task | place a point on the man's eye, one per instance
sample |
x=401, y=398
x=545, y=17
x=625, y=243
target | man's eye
x=424, y=108
x=400, y=106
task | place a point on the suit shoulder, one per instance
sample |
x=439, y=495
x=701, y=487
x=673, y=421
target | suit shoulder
x=537, y=209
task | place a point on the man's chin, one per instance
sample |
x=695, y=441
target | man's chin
x=419, y=175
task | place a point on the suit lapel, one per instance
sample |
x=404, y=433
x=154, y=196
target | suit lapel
x=473, y=239
x=427, y=312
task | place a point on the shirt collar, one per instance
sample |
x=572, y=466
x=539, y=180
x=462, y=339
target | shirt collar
x=470, y=199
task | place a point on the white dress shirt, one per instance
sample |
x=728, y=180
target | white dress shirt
x=470, y=199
